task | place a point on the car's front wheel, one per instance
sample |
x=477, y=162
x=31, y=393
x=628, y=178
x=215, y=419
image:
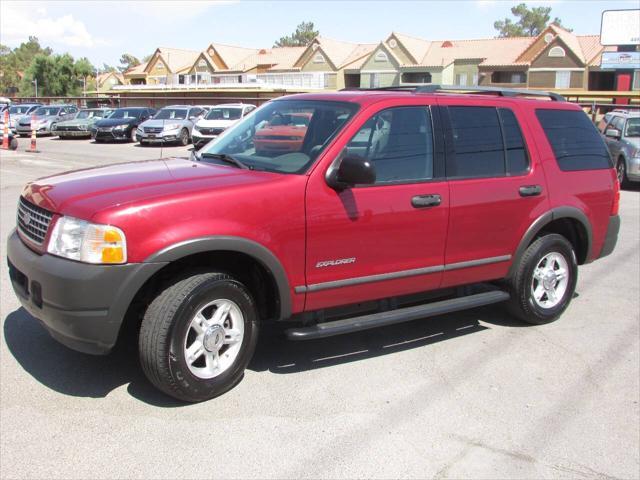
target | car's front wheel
x=198, y=336
x=621, y=170
x=545, y=280
x=183, y=139
x=133, y=135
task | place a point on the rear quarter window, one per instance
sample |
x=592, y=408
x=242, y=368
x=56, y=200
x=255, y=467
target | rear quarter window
x=575, y=141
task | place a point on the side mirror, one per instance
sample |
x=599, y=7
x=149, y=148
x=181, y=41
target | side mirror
x=612, y=133
x=352, y=170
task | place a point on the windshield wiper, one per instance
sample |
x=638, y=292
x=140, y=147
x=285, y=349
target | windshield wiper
x=225, y=157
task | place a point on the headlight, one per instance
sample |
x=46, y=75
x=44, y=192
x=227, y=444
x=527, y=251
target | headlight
x=120, y=127
x=87, y=242
x=172, y=126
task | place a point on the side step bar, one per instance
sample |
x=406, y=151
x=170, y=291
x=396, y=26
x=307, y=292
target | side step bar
x=365, y=322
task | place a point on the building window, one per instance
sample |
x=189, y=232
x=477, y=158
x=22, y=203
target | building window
x=563, y=79
x=461, y=79
x=416, y=77
x=318, y=58
x=636, y=80
x=475, y=79
x=508, y=77
x=557, y=52
x=159, y=66
x=381, y=57
x=374, y=80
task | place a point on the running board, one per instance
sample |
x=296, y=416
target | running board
x=364, y=322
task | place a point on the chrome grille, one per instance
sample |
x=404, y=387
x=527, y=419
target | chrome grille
x=211, y=131
x=152, y=129
x=33, y=221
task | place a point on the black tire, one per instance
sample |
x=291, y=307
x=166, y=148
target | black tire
x=166, y=324
x=621, y=171
x=184, y=137
x=13, y=145
x=132, y=135
x=523, y=304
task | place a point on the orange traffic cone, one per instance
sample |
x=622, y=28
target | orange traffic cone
x=5, y=133
x=32, y=148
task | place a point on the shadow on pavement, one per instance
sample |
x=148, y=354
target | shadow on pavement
x=81, y=375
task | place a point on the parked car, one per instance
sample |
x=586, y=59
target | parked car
x=470, y=200
x=46, y=118
x=217, y=120
x=172, y=124
x=282, y=133
x=80, y=125
x=18, y=111
x=121, y=124
x=622, y=134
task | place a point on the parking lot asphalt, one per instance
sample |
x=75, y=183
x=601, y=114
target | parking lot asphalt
x=466, y=395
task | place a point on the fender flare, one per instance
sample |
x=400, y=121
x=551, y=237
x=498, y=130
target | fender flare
x=542, y=221
x=258, y=252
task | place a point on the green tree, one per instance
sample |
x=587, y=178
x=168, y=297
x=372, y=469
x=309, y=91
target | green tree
x=106, y=68
x=57, y=75
x=530, y=21
x=13, y=63
x=302, y=37
x=128, y=61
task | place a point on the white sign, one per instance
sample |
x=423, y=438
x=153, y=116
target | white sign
x=620, y=60
x=620, y=27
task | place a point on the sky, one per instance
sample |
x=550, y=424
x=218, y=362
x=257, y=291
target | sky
x=103, y=30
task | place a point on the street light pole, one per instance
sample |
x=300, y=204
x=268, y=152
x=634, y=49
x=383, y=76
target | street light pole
x=35, y=81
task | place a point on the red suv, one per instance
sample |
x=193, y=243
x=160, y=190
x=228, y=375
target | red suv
x=398, y=204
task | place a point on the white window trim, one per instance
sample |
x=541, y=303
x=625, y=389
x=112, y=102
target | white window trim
x=319, y=58
x=381, y=57
x=560, y=52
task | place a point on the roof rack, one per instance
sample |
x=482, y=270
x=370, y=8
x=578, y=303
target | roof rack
x=433, y=88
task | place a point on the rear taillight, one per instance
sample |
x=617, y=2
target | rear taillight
x=615, y=206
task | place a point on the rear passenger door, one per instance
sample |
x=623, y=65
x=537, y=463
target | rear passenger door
x=497, y=188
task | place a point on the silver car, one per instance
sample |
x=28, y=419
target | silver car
x=46, y=118
x=172, y=124
x=622, y=134
x=18, y=111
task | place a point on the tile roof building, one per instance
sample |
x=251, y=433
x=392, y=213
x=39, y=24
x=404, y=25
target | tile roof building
x=555, y=59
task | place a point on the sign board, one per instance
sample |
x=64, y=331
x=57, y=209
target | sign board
x=620, y=27
x=618, y=60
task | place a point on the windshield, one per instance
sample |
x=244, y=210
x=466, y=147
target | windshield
x=224, y=114
x=47, y=111
x=125, y=113
x=283, y=136
x=633, y=127
x=171, y=114
x=18, y=109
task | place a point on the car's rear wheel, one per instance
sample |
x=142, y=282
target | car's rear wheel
x=545, y=280
x=198, y=336
x=621, y=170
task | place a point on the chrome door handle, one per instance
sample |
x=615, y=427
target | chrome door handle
x=530, y=190
x=423, y=201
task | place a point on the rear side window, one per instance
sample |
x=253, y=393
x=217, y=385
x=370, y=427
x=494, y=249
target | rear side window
x=487, y=143
x=574, y=139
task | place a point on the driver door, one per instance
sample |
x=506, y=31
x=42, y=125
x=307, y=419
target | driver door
x=386, y=239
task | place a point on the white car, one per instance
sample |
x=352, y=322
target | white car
x=217, y=120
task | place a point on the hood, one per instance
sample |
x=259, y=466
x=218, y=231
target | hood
x=76, y=121
x=215, y=123
x=153, y=123
x=633, y=141
x=112, y=122
x=83, y=193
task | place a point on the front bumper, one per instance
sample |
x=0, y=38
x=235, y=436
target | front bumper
x=111, y=134
x=71, y=133
x=81, y=305
x=26, y=130
x=633, y=169
x=200, y=139
x=162, y=137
